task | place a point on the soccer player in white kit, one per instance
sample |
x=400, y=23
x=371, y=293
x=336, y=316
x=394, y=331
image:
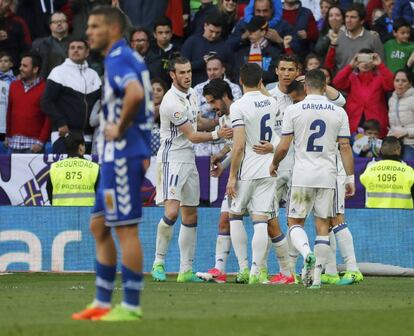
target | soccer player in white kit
x=177, y=176
x=339, y=232
x=316, y=125
x=250, y=184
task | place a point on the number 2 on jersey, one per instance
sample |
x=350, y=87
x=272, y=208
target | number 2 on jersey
x=319, y=126
x=265, y=130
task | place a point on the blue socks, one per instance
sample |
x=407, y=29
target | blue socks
x=105, y=283
x=132, y=283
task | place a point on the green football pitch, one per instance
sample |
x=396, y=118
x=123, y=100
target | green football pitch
x=41, y=304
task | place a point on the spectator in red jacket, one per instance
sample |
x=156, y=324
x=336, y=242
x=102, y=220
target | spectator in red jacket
x=366, y=80
x=28, y=128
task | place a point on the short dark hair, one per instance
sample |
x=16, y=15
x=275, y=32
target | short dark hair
x=366, y=51
x=4, y=53
x=390, y=146
x=400, y=22
x=372, y=125
x=162, y=21
x=288, y=58
x=60, y=13
x=112, y=15
x=35, y=57
x=407, y=73
x=315, y=79
x=311, y=56
x=214, y=19
x=217, y=58
x=72, y=141
x=78, y=39
x=251, y=74
x=217, y=88
x=177, y=60
x=141, y=30
x=296, y=86
x=359, y=8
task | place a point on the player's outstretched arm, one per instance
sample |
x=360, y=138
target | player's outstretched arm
x=280, y=153
x=134, y=94
x=239, y=142
x=335, y=96
x=348, y=162
x=198, y=137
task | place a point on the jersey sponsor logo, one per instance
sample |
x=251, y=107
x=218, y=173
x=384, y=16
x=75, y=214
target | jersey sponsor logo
x=262, y=103
x=310, y=106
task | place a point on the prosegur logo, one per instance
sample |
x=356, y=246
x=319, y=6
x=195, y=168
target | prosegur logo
x=33, y=256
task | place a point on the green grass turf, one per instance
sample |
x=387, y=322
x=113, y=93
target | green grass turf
x=41, y=304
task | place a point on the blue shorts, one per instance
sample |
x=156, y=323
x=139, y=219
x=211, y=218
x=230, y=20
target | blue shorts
x=119, y=193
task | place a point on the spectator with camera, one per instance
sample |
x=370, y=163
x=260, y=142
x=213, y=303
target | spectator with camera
x=366, y=80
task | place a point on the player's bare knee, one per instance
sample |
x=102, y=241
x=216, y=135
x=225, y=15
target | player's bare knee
x=126, y=233
x=98, y=228
x=224, y=224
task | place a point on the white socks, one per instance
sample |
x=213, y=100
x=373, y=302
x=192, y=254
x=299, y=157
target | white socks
x=259, y=246
x=281, y=247
x=239, y=241
x=322, y=251
x=299, y=240
x=330, y=267
x=346, y=246
x=164, y=235
x=223, y=244
x=186, y=243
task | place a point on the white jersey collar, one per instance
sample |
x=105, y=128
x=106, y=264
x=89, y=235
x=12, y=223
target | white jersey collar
x=315, y=97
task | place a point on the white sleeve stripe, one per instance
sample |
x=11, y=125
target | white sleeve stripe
x=180, y=124
x=128, y=78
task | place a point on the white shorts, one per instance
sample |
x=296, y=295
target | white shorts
x=254, y=195
x=340, y=194
x=178, y=181
x=305, y=199
x=283, y=181
x=225, y=204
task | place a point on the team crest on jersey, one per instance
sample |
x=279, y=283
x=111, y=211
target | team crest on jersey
x=172, y=191
x=177, y=115
x=110, y=201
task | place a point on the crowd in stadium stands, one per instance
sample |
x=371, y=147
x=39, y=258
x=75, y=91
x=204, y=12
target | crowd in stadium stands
x=50, y=82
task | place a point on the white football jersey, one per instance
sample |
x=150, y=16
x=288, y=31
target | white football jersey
x=257, y=114
x=225, y=121
x=283, y=101
x=176, y=109
x=316, y=124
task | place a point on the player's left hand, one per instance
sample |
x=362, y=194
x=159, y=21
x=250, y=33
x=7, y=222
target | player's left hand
x=349, y=190
x=225, y=132
x=216, y=170
x=273, y=170
x=264, y=147
x=231, y=187
x=112, y=132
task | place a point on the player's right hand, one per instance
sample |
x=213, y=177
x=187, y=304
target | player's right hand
x=349, y=190
x=216, y=169
x=225, y=132
x=264, y=147
x=273, y=170
x=231, y=187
